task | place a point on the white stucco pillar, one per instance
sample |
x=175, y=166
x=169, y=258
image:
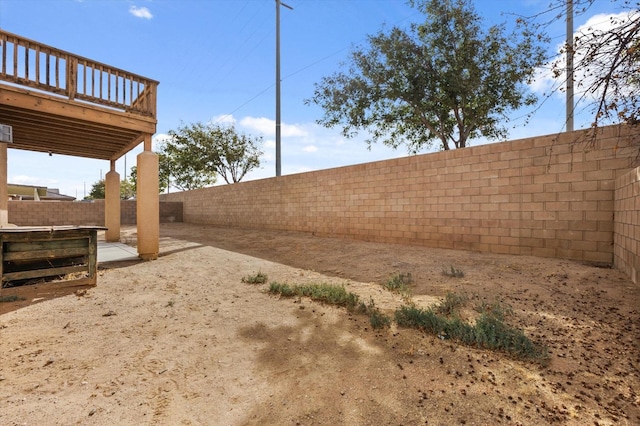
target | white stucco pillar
x=112, y=204
x=148, y=203
x=4, y=193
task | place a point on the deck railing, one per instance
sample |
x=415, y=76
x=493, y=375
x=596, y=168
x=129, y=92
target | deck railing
x=29, y=63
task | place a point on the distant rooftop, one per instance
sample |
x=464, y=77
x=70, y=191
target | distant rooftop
x=19, y=192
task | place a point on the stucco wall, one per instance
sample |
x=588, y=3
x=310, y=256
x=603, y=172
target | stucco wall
x=48, y=213
x=542, y=196
x=626, y=238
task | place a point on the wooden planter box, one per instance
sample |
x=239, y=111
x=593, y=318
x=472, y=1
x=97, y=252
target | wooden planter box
x=65, y=253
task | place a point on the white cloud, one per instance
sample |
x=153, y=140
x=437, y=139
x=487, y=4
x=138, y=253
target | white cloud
x=140, y=12
x=259, y=124
x=223, y=119
x=543, y=82
x=268, y=150
x=293, y=130
x=310, y=148
x=267, y=126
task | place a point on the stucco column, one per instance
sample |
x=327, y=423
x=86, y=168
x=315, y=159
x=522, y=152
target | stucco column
x=148, y=203
x=112, y=204
x=4, y=193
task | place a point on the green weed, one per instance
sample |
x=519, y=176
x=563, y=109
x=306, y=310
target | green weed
x=326, y=293
x=488, y=332
x=10, y=298
x=453, y=272
x=451, y=304
x=399, y=283
x=496, y=309
x=377, y=319
x=258, y=278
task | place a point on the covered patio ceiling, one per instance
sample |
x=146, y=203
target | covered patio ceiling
x=54, y=125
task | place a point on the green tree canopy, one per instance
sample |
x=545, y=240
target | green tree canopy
x=197, y=153
x=127, y=190
x=448, y=79
x=97, y=191
x=164, y=173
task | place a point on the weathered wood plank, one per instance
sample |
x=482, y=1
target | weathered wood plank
x=47, y=254
x=41, y=273
x=92, y=259
x=42, y=234
x=23, y=246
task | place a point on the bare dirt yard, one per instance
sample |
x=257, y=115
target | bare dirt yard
x=183, y=341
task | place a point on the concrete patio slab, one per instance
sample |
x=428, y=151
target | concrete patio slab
x=115, y=252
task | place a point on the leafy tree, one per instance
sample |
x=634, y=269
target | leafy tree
x=164, y=173
x=448, y=79
x=197, y=153
x=186, y=152
x=97, y=191
x=127, y=190
x=606, y=59
x=238, y=154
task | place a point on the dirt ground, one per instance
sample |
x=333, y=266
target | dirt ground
x=183, y=341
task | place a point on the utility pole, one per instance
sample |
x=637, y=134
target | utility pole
x=278, y=125
x=570, y=48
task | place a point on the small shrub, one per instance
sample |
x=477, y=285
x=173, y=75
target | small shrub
x=284, y=290
x=10, y=298
x=489, y=331
x=399, y=283
x=496, y=309
x=377, y=319
x=492, y=333
x=326, y=293
x=453, y=272
x=258, y=278
x=421, y=319
x=451, y=304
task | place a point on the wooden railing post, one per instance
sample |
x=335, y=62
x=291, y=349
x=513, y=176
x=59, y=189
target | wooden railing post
x=153, y=98
x=72, y=77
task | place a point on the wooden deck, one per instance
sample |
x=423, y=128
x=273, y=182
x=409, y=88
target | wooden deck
x=62, y=103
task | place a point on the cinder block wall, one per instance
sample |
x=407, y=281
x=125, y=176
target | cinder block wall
x=50, y=213
x=127, y=212
x=542, y=196
x=626, y=237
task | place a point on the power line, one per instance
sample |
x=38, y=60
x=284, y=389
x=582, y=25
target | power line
x=247, y=102
x=313, y=63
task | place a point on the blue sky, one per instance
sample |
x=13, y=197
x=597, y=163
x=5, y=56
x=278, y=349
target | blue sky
x=215, y=60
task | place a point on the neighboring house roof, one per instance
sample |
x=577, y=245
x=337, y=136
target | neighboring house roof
x=29, y=192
